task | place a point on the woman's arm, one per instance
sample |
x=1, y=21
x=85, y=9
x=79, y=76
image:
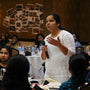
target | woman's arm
x=43, y=53
x=63, y=49
x=68, y=46
x=58, y=44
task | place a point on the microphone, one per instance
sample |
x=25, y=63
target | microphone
x=43, y=43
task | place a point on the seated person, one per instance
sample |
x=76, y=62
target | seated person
x=5, y=54
x=7, y=36
x=78, y=68
x=16, y=75
x=39, y=39
x=87, y=49
x=88, y=69
x=3, y=40
x=76, y=39
x=14, y=42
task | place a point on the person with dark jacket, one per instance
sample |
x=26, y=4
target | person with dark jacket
x=16, y=75
x=78, y=65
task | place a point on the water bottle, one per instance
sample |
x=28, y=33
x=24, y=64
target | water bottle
x=33, y=50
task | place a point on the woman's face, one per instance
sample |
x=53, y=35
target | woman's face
x=40, y=38
x=3, y=37
x=7, y=34
x=51, y=23
x=4, y=54
x=74, y=36
x=14, y=39
x=89, y=43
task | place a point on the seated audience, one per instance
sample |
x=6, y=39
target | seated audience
x=87, y=49
x=39, y=39
x=88, y=69
x=5, y=54
x=78, y=65
x=16, y=75
x=3, y=40
x=7, y=35
x=76, y=39
x=14, y=42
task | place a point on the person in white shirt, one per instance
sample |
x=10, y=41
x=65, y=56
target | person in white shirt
x=60, y=46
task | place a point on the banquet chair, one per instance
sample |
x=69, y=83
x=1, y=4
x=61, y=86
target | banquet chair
x=15, y=52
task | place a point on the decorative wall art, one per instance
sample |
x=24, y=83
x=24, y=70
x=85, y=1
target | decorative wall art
x=29, y=19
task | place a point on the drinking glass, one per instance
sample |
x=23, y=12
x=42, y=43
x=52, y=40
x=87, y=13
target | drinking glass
x=41, y=81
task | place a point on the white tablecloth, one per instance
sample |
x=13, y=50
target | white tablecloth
x=36, y=68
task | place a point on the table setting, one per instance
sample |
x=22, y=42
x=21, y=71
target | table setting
x=42, y=84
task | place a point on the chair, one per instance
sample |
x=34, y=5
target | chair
x=14, y=51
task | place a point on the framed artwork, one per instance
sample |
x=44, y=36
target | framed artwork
x=35, y=30
x=23, y=19
x=30, y=7
x=10, y=12
x=12, y=28
x=19, y=7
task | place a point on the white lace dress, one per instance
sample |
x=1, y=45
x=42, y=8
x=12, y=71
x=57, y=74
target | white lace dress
x=57, y=64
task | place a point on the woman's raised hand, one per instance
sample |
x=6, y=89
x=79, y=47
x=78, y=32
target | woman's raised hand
x=54, y=41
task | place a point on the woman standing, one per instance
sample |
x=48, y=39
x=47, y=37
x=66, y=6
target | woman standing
x=60, y=46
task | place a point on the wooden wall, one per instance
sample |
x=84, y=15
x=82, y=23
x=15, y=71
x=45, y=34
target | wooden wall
x=74, y=15
x=84, y=20
x=6, y=5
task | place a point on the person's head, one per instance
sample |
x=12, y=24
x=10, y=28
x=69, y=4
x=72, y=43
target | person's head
x=14, y=38
x=87, y=57
x=7, y=34
x=75, y=36
x=53, y=21
x=17, y=67
x=78, y=65
x=89, y=42
x=3, y=37
x=39, y=37
x=16, y=75
x=5, y=53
